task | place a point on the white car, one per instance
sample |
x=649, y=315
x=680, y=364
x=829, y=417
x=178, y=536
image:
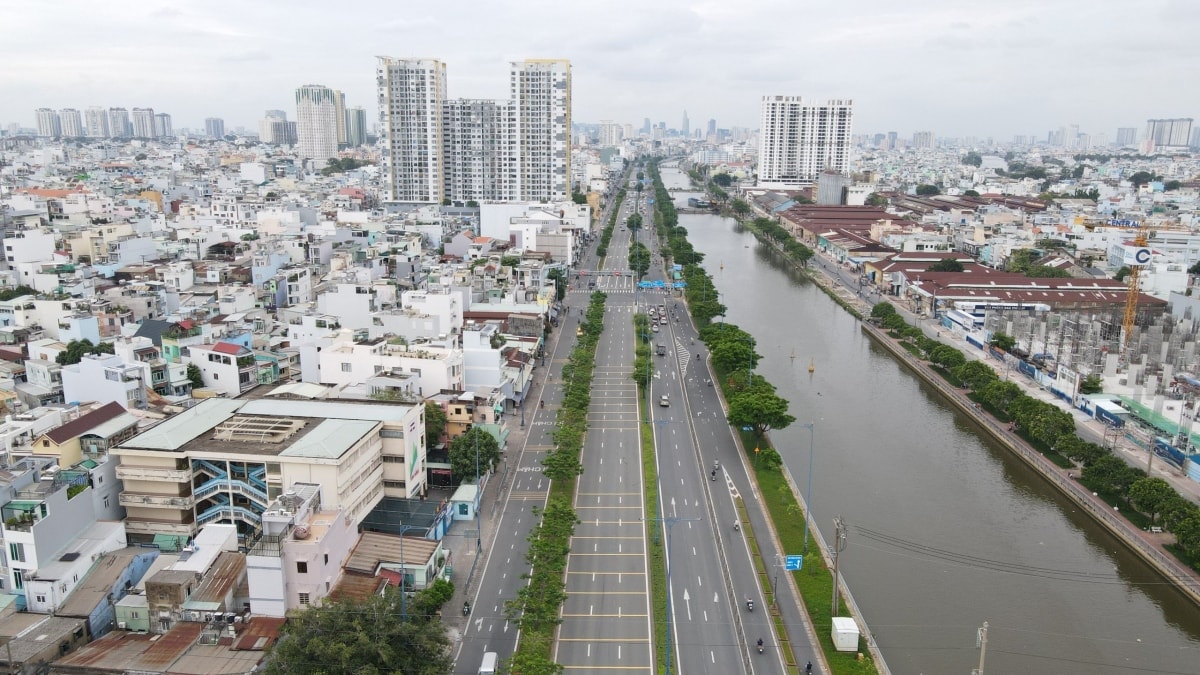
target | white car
x=664, y=401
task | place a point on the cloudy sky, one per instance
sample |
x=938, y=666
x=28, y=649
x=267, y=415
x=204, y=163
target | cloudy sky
x=955, y=67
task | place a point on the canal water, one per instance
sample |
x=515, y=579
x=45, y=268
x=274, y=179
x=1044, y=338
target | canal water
x=946, y=530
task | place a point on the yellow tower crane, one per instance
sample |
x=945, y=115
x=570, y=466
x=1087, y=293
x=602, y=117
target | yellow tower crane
x=1140, y=240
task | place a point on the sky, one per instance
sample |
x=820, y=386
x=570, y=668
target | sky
x=954, y=67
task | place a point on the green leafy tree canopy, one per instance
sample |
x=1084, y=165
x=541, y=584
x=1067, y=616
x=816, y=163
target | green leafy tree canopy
x=462, y=453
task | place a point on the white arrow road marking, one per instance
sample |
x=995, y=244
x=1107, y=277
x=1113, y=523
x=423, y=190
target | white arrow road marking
x=687, y=600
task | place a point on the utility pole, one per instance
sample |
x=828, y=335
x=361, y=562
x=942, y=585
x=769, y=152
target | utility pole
x=670, y=523
x=839, y=545
x=981, y=642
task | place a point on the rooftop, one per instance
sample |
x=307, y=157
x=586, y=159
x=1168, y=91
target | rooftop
x=376, y=548
x=98, y=584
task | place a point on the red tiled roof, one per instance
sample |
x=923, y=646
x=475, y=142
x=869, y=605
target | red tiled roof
x=227, y=348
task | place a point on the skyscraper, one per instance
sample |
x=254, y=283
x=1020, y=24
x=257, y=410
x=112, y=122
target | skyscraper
x=143, y=122
x=922, y=139
x=541, y=92
x=646, y=126
x=119, y=125
x=162, y=126
x=339, y=109
x=97, y=122
x=275, y=129
x=712, y=128
x=1126, y=136
x=356, y=126
x=411, y=95
x=316, y=123
x=685, y=129
x=1169, y=133
x=798, y=140
x=475, y=142
x=48, y=124
x=72, y=123
x=214, y=127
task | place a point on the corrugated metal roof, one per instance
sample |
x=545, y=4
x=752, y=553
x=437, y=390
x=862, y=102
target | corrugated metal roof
x=330, y=439
x=175, y=432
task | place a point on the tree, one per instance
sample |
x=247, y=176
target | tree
x=462, y=453
x=946, y=265
x=883, y=310
x=1142, y=177
x=1122, y=273
x=1172, y=185
x=1092, y=384
x=560, y=283
x=578, y=197
x=77, y=349
x=973, y=159
x=723, y=179
x=140, y=156
x=196, y=377
x=634, y=222
x=1194, y=269
x=975, y=374
x=876, y=199
x=435, y=424
x=1111, y=473
x=971, y=193
x=733, y=355
x=760, y=409
x=1150, y=495
x=739, y=207
x=639, y=258
x=1003, y=341
x=371, y=636
x=928, y=190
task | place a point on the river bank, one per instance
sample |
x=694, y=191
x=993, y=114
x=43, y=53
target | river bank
x=1147, y=546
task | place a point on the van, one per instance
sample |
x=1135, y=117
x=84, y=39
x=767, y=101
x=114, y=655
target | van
x=488, y=667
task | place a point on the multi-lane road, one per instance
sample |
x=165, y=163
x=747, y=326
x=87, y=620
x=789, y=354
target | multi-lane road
x=606, y=620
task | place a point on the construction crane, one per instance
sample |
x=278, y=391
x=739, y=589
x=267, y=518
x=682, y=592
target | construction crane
x=1140, y=240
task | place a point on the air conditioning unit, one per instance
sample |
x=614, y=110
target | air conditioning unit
x=121, y=625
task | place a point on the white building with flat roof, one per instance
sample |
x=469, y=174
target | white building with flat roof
x=798, y=140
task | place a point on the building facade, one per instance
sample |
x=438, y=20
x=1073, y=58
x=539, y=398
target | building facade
x=143, y=122
x=72, y=123
x=48, y=124
x=356, y=126
x=475, y=146
x=316, y=123
x=799, y=140
x=411, y=93
x=540, y=91
x=214, y=127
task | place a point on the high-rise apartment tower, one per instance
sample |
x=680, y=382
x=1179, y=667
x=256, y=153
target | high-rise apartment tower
x=799, y=140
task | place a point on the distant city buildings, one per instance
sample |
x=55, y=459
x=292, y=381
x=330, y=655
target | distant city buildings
x=923, y=139
x=316, y=123
x=214, y=127
x=1126, y=136
x=799, y=140
x=1169, y=133
x=356, y=126
x=275, y=129
x=48, y=123
x=475, y=149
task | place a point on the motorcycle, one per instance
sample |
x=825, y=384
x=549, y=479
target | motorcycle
x=760, y=645
x=466, y=608
x=749, y=605
x=737, y=527
x=714, y=474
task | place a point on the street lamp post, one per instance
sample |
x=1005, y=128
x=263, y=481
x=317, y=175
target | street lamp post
x=808, y=495
x=670, y=523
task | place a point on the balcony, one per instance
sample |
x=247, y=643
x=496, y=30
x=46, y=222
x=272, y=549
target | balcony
x=155, y=501
x=130, y=471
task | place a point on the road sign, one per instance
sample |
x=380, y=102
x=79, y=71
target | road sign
x=793, y=563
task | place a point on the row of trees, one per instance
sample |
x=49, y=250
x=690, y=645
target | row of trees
x=1048, y=426
x=607, y=233
x=535, y=610
x=778, y=234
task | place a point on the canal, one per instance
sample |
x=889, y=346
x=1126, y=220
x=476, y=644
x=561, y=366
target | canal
x=946, y=529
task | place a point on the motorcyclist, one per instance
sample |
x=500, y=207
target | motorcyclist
x=737, y=527
x=749, y=604
x=760, y=645
x=808, y=667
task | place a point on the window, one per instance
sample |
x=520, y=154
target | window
x=106, y=501
x=40, y=598
x=16, y=553
x=304, y=598
x=302, y=568
x=346, y=368
x=326, y=558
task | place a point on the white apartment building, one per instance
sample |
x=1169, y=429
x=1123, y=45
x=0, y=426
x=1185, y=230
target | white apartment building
x=540, y=91
x=96, y=122
x=143, y=122
x=72, y=123
x=356, y=126
x=119, y=125
x=477, y=144
x=348, y=361
x=411, y=95
x=225, y=367
x=48, y=123
x=316, y=123
x=226, y=460
x=106, y=378
x=799, y=140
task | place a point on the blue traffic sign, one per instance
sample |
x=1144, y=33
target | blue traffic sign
x=794, y=562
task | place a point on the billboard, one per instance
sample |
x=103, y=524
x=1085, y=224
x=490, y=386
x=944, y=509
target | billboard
x=1136, y=255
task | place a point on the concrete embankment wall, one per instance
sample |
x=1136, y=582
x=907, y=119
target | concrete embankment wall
x=1170, y=568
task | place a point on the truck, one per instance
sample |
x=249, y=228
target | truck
x=660, y=349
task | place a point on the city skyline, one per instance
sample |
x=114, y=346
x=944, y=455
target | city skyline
x=956, y=70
